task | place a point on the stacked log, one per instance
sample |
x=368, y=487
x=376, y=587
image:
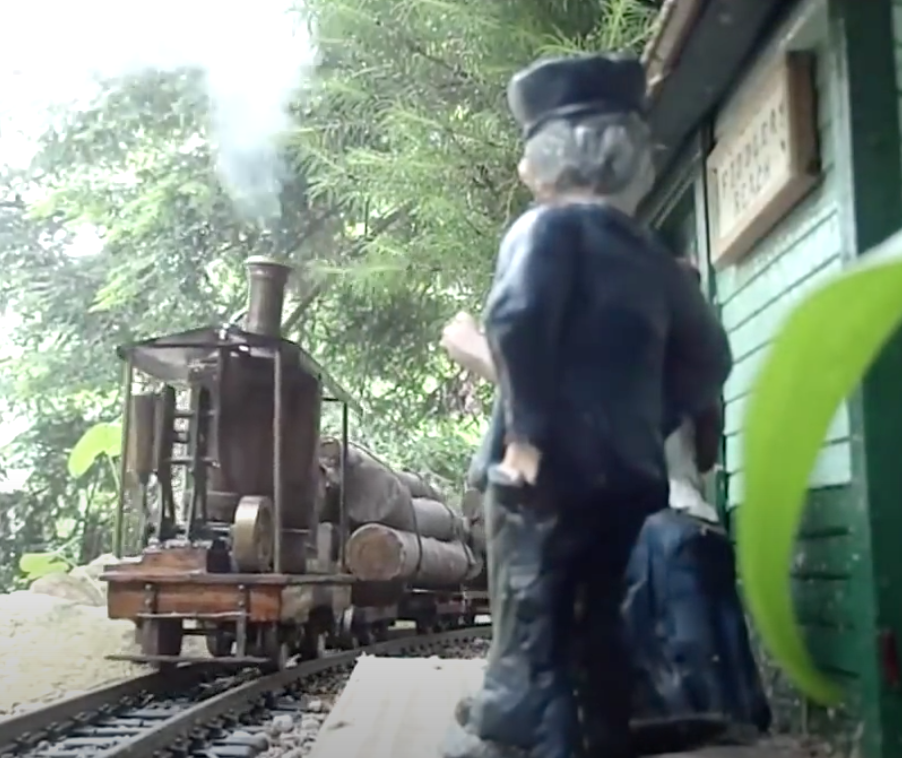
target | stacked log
x=418, y=486
x=473, y=511
x=401, y=528
x=378, y=553
x=437, y=520
x=372, y=491
x=376, y=494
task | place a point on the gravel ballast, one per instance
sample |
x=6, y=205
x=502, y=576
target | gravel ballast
x=292, y=732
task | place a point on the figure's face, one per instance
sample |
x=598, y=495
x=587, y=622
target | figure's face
x=542, y=193
x=627, y=201
x=527, y=178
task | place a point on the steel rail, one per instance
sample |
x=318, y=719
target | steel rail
x=39, y=724
x=20, y=734
x=172, y=732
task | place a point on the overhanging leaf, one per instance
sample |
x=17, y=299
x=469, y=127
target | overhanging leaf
x=104, y=438
x=36, y=565
x=821, y=354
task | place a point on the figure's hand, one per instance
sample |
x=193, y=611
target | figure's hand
x=521, y=462
x=460, y=334
x=465, y=344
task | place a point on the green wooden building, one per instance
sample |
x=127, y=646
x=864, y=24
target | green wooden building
x=781, y=163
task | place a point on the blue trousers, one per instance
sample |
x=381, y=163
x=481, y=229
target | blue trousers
x=556, y=578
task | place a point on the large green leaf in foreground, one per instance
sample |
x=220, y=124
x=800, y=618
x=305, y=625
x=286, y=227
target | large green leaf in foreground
x=104, y=438
x=818, y=358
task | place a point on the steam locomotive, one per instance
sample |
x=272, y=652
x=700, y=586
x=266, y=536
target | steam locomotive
x=248, y=542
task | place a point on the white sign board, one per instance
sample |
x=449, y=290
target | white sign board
x=766, y=163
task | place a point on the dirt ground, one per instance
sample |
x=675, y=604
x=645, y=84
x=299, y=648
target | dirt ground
x=54, y=636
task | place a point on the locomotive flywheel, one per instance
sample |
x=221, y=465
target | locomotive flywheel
x=253, y=534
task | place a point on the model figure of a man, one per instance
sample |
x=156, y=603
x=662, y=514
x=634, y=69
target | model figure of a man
x=585, y=317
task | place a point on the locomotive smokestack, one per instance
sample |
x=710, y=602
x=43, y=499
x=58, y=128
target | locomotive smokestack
x=266, y=295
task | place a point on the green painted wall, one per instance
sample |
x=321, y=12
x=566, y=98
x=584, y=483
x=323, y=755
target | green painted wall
x=847, y=572
x=753, y=297
x=897, y=38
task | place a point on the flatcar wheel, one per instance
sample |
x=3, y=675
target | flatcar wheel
x=364, y=635
x=274, y=647
x=380, y=631
x=345, y=637
x=161, y=637
x=313, y=644
x=429, y=626
x=219, y=644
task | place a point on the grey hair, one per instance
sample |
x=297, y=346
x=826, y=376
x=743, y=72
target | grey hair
x=609, y=155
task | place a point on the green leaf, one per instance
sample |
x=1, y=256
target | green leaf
x=801, y=384
x=104, y=438
x=36, y=565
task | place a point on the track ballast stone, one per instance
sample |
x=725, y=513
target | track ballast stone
x=289, y=727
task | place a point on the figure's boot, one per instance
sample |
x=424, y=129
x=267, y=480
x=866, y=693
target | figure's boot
x=460, y=742
x=462, y=710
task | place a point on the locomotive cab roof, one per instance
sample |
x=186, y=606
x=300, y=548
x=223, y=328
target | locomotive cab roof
x=190, y=357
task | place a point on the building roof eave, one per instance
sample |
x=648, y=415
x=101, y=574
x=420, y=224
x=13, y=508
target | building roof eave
x=696, y=53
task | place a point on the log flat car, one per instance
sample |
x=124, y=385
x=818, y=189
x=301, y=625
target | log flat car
x=246, y=545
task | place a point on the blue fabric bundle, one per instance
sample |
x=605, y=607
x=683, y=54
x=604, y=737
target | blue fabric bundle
x=687, y=629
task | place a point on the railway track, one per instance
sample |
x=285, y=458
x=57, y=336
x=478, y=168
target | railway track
x=196, y=710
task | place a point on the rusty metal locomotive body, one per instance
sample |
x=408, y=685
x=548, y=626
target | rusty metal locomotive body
x=240, y=553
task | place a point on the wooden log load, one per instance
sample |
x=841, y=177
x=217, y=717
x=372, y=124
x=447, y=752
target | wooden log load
x=474, y=515
x=418, y=486
x=378, y=553
x=437, y=520
x=372, y=492
x=376, y=494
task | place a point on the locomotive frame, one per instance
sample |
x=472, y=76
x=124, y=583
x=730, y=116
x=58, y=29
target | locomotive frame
x=259, y=580
x=256, y=563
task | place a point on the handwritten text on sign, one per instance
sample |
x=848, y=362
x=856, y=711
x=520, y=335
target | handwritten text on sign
x=758, y=171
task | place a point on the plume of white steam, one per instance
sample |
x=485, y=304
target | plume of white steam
x=255, y=56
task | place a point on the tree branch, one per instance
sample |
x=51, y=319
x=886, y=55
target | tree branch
x=356, y=250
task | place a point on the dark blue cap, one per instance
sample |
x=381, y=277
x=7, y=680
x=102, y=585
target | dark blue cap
x=575, y=86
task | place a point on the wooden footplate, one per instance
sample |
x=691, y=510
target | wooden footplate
x=246, y=618
x=259, y=598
